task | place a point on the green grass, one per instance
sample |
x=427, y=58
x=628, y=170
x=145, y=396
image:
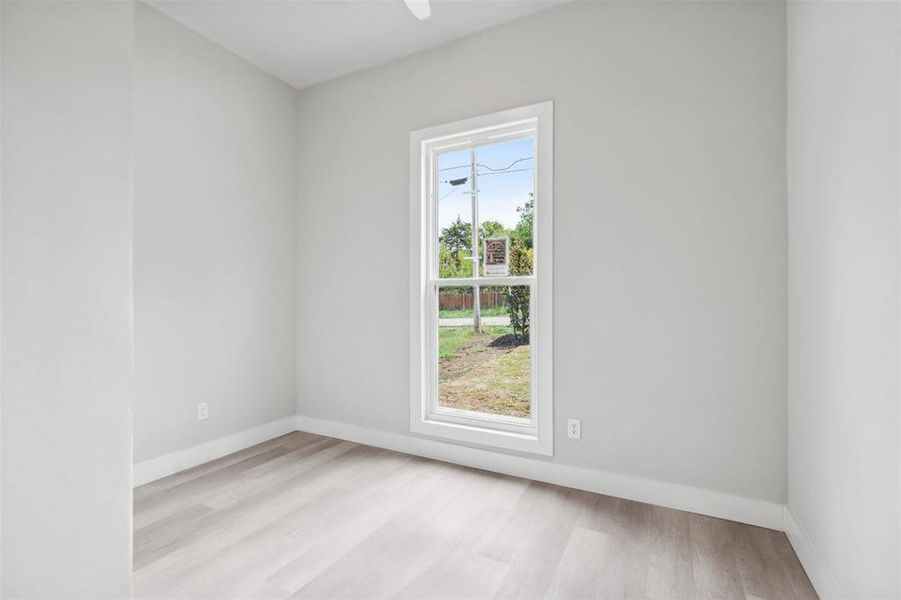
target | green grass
x=494, y=311
x=451, y=338
x=515, y=368
x=476, y=375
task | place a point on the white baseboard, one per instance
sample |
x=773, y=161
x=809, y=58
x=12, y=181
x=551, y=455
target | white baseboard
x=671, y=495
x=157, y=468
x=822, y=580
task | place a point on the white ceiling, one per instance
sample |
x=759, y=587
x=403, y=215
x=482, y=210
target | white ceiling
x=307, y=41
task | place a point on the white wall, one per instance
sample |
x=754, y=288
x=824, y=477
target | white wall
x=214, y=240
x=843, y=169
x=670, y=213
x=66, y=297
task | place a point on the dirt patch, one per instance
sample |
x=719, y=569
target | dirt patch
x=488, y=373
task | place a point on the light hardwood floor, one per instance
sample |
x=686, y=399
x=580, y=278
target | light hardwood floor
x=303, y=516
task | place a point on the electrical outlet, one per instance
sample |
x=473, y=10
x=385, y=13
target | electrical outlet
x=203, y=411
x=574, y=428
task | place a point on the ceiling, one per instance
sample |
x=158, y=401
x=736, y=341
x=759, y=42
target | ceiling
x=304, y=42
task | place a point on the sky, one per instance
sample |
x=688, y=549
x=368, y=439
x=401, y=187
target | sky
x=499, y=194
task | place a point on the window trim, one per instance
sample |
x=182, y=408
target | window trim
x=536, y=438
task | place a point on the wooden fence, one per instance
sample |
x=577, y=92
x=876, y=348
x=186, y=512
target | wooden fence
x=463, y=300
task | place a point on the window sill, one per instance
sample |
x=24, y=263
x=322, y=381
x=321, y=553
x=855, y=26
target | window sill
x=489, y=437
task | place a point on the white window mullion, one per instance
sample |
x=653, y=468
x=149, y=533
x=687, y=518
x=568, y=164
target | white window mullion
x=485, y=281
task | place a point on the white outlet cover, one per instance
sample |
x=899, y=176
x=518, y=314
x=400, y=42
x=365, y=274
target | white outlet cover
x=203, y=411
x=574, y=428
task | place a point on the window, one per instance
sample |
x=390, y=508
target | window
x=481, y=313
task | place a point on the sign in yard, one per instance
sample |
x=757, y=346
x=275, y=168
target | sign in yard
x=497, y=256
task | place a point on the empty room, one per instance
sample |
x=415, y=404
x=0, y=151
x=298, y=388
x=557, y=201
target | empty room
x=457, y=299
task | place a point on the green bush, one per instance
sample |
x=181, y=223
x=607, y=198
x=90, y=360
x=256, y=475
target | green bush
x=518, y=296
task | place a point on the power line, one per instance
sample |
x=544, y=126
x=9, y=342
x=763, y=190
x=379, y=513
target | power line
x=450, y=181
x=486, y=166
x=505, y=172
x=447, y=194
x=508, y=169
x=518, y=160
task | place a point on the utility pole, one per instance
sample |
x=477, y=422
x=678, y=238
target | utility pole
x=476, y=292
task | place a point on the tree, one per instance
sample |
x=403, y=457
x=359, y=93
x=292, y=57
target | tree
x=523, y=230
x=450, y=265
x=491, y=229
x=458, y=237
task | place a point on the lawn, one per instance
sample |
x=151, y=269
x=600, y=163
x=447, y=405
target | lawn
x=451, y=338
x=485, y=372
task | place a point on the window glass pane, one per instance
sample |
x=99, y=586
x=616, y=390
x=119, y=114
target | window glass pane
x=455, y=214
x=506, y=191
x=485, y=367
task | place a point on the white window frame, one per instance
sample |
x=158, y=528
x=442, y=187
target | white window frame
x=533, y=435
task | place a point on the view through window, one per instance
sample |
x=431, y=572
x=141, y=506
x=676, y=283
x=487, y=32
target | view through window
x=485, y=209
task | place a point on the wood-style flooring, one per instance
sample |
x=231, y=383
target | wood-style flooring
x=304, y=516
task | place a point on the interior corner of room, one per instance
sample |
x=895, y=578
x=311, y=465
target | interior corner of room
x=225, y=320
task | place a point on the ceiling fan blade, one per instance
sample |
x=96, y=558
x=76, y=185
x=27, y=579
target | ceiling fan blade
x=420, y=8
